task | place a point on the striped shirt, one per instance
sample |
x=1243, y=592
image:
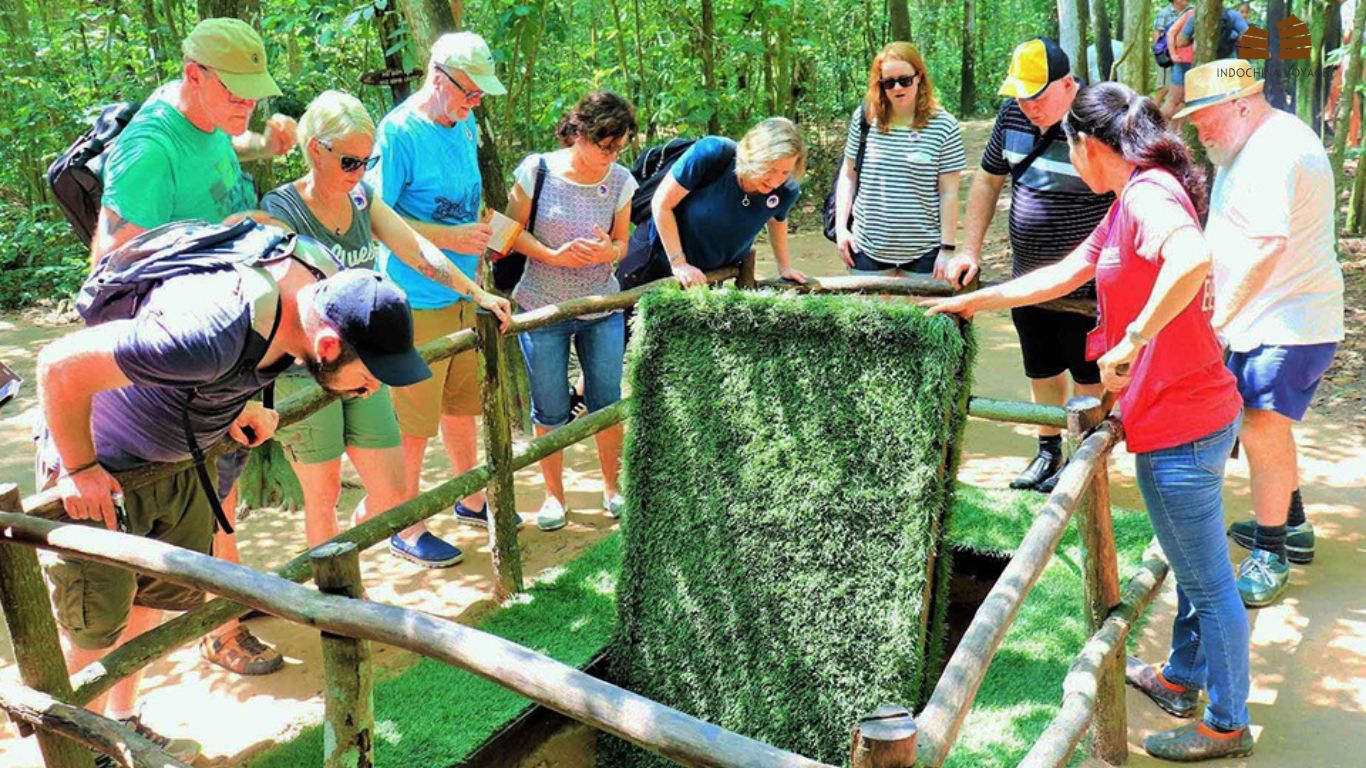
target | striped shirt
x=897, y=207
x=1051, y=209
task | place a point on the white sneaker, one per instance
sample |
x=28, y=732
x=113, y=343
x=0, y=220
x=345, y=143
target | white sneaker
x=613, y=505
x=551, y=516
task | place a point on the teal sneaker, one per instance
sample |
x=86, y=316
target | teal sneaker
x=1299, y=539
x=1262, y=579
x=1193, y=742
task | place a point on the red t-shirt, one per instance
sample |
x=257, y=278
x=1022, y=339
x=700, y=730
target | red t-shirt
x=1179, y=389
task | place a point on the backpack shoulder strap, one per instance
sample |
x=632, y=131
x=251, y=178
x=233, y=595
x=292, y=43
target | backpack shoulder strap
x=1045, y=140
x=541, y=171
x=863, y=128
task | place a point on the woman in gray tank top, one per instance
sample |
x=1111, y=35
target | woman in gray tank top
x=333, y=205
x=580, y=232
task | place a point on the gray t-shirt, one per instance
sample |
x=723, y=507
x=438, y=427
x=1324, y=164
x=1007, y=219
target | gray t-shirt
x=196, y=339
x=567, y=211
x=354, y=248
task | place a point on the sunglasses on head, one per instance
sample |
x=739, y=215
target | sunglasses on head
x=905, y=81
x=351, y=163
x=466, y=92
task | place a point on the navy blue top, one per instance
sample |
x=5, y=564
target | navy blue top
x=717, y=220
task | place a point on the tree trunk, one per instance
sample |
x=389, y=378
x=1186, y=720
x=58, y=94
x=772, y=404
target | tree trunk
x=1275, y=88
x=1207, y=30
x=967, y=92
x=1137, y=21
x=1069, y=34
x=900, y=15
x=1342, y=122
x=708, y=51
x=155, y=40
x=1105, y=55
x=388, y=26
x=1331, y=40
x=457, y=13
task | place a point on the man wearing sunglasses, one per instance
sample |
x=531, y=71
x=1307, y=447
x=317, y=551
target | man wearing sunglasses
x=179, y=159
x=1051, y=212
x=428, y=173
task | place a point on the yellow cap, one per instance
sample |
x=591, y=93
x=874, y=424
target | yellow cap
x=1033, y=66
x=231, y=48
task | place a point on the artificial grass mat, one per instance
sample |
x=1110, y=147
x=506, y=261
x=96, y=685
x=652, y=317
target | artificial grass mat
x=785, y=472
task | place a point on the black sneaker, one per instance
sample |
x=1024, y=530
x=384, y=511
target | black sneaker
x=1045, y=465
x=1051, y=482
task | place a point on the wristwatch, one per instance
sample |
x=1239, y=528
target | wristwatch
x=947, y=247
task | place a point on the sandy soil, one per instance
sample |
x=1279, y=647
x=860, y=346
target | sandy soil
x=1309, y=653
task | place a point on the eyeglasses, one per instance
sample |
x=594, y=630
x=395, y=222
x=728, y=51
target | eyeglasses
x=351, y=163
x=611, y=148
x=232, y=97
x=905, y=81
x=467, y=93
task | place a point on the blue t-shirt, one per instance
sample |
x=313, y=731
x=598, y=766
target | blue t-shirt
x=428, y=172
x=201, y=334
x=1232, y=25
x=717, y=220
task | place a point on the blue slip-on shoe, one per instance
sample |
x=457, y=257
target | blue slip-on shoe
x=481, y=518
x=428, y=551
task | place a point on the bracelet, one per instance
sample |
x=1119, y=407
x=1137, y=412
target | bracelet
x=947, y=247
x=77, y=470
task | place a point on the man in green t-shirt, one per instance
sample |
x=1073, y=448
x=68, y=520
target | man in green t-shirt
x=178, y=159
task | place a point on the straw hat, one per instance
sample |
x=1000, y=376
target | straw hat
x=1218, y=82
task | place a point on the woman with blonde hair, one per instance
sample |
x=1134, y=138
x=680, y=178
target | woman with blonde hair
x=896, y=200
x=332, y=204
x=713, y=202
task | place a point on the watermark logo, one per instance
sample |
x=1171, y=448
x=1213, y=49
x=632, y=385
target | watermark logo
x=1255, y=43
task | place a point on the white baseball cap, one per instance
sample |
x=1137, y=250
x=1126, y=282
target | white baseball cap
x=468, y=53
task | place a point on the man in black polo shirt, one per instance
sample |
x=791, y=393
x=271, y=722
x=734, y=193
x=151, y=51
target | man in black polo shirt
x=1051, y=212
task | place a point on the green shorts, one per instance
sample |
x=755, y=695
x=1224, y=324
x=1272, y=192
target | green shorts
x=366, y=422
x=93, y=600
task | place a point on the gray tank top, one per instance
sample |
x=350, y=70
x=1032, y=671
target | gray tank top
x=354, y=248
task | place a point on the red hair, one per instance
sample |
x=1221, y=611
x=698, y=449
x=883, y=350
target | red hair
x=877, y=108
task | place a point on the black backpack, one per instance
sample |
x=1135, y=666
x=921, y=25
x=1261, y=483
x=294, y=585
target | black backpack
x=77, y=176
x=829, y=213
x=118, y=286
x=649, y=170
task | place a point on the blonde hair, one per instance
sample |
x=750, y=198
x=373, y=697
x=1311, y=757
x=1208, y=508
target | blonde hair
x=877, y=108
x=776, y=138
x=332, y=115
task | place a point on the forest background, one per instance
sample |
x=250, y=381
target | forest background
x=691, y=67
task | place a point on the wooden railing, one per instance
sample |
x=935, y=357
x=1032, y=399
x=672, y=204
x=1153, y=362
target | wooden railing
x=49, y=699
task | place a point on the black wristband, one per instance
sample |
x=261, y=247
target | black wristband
x=947, y=247
x=77, y=470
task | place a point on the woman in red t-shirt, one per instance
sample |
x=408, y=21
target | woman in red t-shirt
x=1178, y=403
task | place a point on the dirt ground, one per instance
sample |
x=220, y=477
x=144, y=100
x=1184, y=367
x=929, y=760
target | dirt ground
x=1309, y=652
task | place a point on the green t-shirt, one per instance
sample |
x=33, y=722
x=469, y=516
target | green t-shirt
x=163, y=169
x=353, y=248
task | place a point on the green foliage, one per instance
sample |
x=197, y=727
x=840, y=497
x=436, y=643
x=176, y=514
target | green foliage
x=39, y=257
x=785, y=482
x=434, y=714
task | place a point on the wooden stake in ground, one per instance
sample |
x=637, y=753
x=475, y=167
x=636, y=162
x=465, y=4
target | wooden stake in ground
x=348, y=676
x=884, y=739
x=501, y=496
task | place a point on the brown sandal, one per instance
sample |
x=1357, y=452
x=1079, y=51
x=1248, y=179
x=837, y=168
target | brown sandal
x=241, y=652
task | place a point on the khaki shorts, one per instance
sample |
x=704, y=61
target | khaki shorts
x=364, y=422
x=93, y=600
x=453, y=389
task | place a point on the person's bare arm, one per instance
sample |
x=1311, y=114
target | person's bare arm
x=71, y=371
x=844, y=205
x=667, y=197
x=1043, y=284
x=962, y=268
x=777, y=239
x=461, y=238
x=111, y=231
x=949, y=184
x=278, y=138
x=571, y=254
x=1263, y=255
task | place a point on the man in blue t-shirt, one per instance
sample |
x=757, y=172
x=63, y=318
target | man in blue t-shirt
x=429, y=173
x=116, y=396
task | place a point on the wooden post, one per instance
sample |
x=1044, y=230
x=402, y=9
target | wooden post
x=884, y=739
x=28, y=614
x=1100, y=568
x=746, y=278
x=502, y=500
x=348, y=678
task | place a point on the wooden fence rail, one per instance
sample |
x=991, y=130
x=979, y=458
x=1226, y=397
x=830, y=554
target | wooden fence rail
x=943, y=716
x=660, y=729
x=81, y=727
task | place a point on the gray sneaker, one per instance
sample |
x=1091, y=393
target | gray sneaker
x=1299, y=539
x=1262, y=579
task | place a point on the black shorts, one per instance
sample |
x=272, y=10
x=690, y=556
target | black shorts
x=921, y=265
x=1054, y=342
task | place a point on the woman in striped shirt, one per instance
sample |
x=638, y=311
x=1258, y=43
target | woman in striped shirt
x=904, y=195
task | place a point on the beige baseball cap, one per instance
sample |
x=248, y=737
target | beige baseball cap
x=232, y=49
x=468, y=53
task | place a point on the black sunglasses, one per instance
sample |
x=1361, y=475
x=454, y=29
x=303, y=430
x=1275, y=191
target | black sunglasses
x=905, y=81
x=467, y=93
x=351, y=163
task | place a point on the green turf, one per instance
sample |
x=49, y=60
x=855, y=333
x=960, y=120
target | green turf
x=785, y=475
x=434, y=715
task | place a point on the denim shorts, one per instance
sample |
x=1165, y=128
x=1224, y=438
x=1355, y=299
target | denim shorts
x=1281, y=378
x=601, y=345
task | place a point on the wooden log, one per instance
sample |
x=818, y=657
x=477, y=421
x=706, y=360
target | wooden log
x=348, y=676
x=745, y=279
x=943, y=716
x=1082, y=686
x=501, y=495
x=1100, y=577
x=33, y=632
x=152, y=645
x=884, y=739
x=911, y=285
x=554, y=313
x=650, y=725
x=79, y=727
x=1017, y=412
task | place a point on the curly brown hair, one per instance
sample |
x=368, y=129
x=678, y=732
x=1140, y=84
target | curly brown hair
x=599, y=116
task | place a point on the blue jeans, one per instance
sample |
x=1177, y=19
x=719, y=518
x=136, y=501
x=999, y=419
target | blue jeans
x=601, y=344
x=1183, y=489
